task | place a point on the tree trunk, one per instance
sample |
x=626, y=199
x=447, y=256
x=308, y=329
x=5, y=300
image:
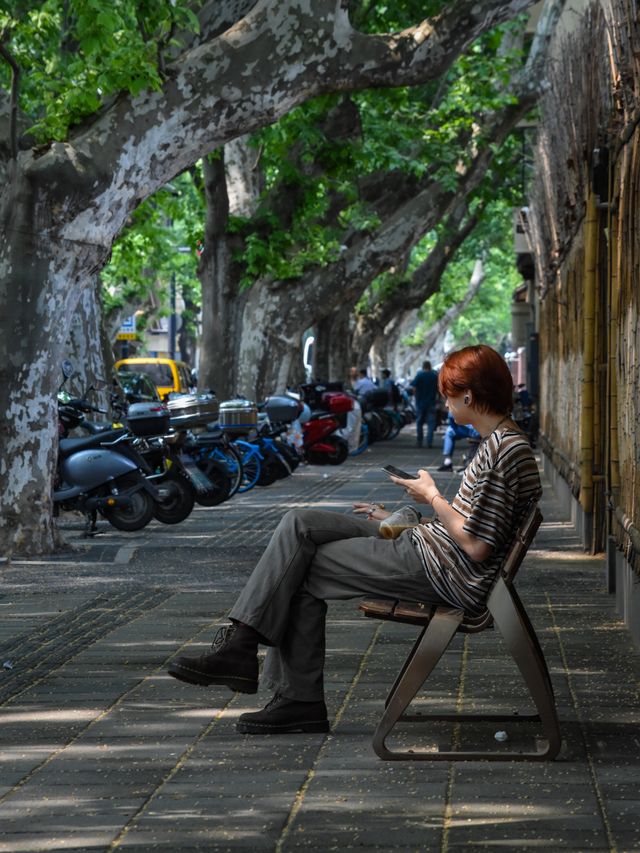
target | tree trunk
x=40, y=283
x=89, y=348
x=333, y=353
x=267, y=348
x=296, y=370
x=221, y=301
x=187, y=336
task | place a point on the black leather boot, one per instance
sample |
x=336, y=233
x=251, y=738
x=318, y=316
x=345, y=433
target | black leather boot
x=233, y=661
x=283, y=716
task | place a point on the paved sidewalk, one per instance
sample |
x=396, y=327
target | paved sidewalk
x=101, y=750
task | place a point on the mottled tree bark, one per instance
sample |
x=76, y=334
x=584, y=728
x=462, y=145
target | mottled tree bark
x=333, y=350
x=89, y=349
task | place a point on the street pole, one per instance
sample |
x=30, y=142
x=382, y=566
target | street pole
x=172, y=317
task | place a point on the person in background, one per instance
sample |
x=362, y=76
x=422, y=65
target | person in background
x=393, y=392
x=316, y=555
x=425, y=391
x=523, y=396
x=363, y=384
x=452, y=433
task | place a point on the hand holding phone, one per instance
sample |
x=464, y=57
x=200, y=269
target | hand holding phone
x=398, y=472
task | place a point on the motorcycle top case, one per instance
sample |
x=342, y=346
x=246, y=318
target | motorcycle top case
x=281, y=409
x=312, y=392
x=239, y=417
x=336, y=402
x=145, y=419
x=191, y=410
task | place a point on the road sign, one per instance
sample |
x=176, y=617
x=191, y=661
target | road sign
x=127, y=330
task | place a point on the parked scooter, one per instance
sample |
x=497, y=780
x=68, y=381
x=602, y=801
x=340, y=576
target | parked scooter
x=106, y=473
x=101, y=473
x=323, y=444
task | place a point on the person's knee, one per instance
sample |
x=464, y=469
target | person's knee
x=298, y=519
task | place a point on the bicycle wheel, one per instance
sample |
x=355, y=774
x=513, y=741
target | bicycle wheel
x=230, y=458
x=251, y=464
x=217, y=473
x=233, y=461
x=397, y=422
x=375, y=425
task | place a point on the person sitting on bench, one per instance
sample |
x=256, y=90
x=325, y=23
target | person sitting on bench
x=317, y=555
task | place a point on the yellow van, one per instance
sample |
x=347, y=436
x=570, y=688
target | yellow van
x=167, y=374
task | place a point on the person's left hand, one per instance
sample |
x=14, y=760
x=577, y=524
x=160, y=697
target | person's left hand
x=423, y=490
x=373, y=511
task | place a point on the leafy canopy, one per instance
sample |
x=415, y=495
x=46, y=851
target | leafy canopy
x=420, y=130
x=161, y=241
x=487, y=318
x=75, y=54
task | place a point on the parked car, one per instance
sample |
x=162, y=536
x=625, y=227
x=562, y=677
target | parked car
x=137, y=387
x=169, y=376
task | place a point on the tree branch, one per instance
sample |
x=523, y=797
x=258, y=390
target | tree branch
x=373, y=252
x=246, y=76
x=436, y=331
x=13, y=104
x=424, y=282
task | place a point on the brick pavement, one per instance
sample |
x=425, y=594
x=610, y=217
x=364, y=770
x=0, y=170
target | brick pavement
x=101, y=750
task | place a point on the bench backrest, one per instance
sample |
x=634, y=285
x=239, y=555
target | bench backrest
x=523, y=538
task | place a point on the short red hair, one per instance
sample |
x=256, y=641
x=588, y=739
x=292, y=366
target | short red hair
x=482, y=371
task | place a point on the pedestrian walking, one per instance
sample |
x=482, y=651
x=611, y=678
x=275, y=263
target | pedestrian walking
x=425, y=391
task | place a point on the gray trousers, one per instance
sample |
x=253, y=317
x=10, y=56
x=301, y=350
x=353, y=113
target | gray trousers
x=315, y=556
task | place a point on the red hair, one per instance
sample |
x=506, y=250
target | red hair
x=482, y=371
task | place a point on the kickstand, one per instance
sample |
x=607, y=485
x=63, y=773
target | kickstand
x=91, y=527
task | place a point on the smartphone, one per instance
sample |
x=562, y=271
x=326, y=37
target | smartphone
x=398, y=472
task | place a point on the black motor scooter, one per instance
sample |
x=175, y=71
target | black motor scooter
x=101, y=473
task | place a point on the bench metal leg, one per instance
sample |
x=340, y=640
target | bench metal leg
x=513, y=623
x=431, y=645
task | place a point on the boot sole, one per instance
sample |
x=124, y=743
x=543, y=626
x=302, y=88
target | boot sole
x=193, y=676
x=314, y=727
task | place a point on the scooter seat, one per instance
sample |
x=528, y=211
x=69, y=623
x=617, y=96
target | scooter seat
x=67, y=446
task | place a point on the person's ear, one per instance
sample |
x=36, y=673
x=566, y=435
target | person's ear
x=467, y=399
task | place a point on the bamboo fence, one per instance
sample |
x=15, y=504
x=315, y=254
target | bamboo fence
x=585, y=232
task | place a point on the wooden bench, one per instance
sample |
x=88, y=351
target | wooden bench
x=439, y=625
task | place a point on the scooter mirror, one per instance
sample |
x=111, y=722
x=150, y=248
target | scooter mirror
x=67, y=368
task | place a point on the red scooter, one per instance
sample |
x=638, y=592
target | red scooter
x=322, y=446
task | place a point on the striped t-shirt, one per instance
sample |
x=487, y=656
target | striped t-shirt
x=496, y=487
